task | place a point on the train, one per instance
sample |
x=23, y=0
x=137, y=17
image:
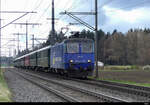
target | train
x=73, y=57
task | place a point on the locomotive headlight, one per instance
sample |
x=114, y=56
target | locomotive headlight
x=71, y=61
x=89, y=61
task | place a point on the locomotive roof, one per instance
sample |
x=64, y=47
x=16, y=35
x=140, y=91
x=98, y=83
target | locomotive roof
x=33, y=52
x=78, y=39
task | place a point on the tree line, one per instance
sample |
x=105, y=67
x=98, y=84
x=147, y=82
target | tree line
x=116, y=48
x=6, y=61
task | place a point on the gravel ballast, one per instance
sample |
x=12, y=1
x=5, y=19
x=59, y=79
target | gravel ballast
x=110, y=92
x=24, y=91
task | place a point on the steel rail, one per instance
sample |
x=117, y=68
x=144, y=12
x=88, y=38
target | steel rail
x=56, y=92
x=126, y=88
x=125, y=85
x=131, y=89
x=91, y=93
x=137, y=90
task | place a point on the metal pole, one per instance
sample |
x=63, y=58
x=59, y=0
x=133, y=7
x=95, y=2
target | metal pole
x=26, y=35
x=9, y=57
x=33, y=42
x=18, y=43
x=96, y=38
x=53, y=19
x=0, y=34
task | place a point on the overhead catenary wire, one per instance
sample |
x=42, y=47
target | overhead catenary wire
x=130, y=6
x=126, y=7
x=41, y=1
x=45, y=12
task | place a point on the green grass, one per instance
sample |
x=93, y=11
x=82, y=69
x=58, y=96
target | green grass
x=5, y=95
x=124, y=82
x=130, y=82
x=118, y=67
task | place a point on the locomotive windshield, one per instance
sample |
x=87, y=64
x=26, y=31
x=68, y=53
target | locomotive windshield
x=87, y=47
x=79, y=46
x=73, y=47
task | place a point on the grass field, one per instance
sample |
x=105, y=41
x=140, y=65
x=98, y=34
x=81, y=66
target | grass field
x=130, y=76
x=118, y=67
x=5, y=94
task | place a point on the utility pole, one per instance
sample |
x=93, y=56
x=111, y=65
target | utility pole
x=52, y=36
x=32, y=41
x=18, y=38
x=96, y=38
x=53, y=19
x=25, y=13
x=36, y=39
x=26, y=35
x=0, y=34
x=27, y=24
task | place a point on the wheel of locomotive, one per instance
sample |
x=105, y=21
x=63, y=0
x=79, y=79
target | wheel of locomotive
x=85, y=77
x=62, y=72
x=52, y=70
x=35, y=68
x=66, y=74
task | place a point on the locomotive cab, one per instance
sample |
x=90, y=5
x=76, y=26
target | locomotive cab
x=79, y=56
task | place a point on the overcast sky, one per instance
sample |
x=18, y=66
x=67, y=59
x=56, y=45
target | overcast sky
x=113, y=14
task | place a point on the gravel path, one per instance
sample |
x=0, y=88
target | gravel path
x=24, y=91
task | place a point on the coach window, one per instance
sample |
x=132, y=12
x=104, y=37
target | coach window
x=39, y=54
x=73, y=47
x=65, y=49
x=45, y=53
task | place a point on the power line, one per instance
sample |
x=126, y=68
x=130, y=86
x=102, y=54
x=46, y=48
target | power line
x=26, y=4
x=43, y=13
x=41, y=1
x=99, y=7
x=129, y=6
x=72, y=7
x=18, y=37
x=16, y=19
x=105, y=3
x=27, y=24
x=16, y=12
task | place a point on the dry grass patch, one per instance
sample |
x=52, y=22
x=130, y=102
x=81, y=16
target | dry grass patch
x=131, y=76
x=5, y=94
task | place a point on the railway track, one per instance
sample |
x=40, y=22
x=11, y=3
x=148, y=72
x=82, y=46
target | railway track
x=66, y=98
x=96, y=96
x=125, y=88
x=129, y=92
x=131, y=89
x=137, y=90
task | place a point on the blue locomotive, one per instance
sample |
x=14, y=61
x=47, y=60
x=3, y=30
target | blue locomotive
x=73, y=57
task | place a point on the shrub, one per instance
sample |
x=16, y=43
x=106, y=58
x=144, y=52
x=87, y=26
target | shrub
x=147, y=67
